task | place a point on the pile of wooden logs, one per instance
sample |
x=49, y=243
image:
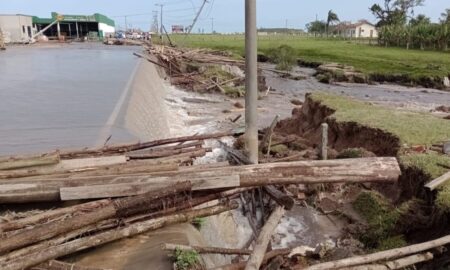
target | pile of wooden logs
x=123, y=190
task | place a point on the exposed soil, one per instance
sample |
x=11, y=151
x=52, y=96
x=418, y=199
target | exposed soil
x=341, y=136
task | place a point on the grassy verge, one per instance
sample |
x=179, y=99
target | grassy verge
x=368, y=59
x=412, y=128
x=386, y=222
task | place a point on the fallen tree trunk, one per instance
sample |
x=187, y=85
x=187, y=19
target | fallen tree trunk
x=382, y=255
x=19, y=162
x=257, y=257
x=300, y=172
x=115, y=208
x=207, y=250
x=109, y=236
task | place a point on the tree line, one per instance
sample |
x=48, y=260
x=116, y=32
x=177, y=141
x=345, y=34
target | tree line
x=398, y=26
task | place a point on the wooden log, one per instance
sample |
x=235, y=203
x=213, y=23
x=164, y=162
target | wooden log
x=206, y=250
x=299, y=172
x=58, y=265
x=121, y=190
x=131, y=167
x=280, y=197
x=382, y=255
x=112, y=223
x=438, y=181
x=196, y=144
x=116, y=208
x=69, y=165
x=48, y=215
x=110, y=236
x=168, y=153
x=401, y=263
x=257, y=257
x=19, y=162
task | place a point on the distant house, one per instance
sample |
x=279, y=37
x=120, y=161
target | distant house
x=177, y=29
x=360, y=29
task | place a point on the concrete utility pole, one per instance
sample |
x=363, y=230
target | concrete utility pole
x=212, y=25
x=251, y=81
x=161, y=26
x=196, y=16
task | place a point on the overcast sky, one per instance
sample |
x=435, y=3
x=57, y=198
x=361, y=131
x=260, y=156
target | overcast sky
x=228, y=14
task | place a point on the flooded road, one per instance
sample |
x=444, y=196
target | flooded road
x=56, y=96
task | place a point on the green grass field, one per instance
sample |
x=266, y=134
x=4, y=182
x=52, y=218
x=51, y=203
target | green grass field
x=369, y=59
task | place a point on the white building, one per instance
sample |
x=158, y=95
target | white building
x=16, y=28
x=361, y=29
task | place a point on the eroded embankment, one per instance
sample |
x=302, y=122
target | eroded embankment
x=414, y=208
x=342, y=135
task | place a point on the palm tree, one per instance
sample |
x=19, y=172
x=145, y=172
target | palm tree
x=446, y=16
x=332, y=17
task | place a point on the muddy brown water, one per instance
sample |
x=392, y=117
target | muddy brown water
x=60, y=96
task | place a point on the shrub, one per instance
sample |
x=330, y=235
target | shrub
x=284, y=56
x=186, y=259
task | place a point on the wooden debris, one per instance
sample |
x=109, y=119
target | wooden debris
x=280, y=197
x=138, y=146
x=98, y=212
x=283, y=173
x=268, y=135
x=207, y=250
x=256, y=258
x=438, y=181
x=382, y=255
x=109, y=236
x=401, y=263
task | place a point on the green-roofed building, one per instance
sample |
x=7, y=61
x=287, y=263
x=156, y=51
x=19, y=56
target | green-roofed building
x=76, y=26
